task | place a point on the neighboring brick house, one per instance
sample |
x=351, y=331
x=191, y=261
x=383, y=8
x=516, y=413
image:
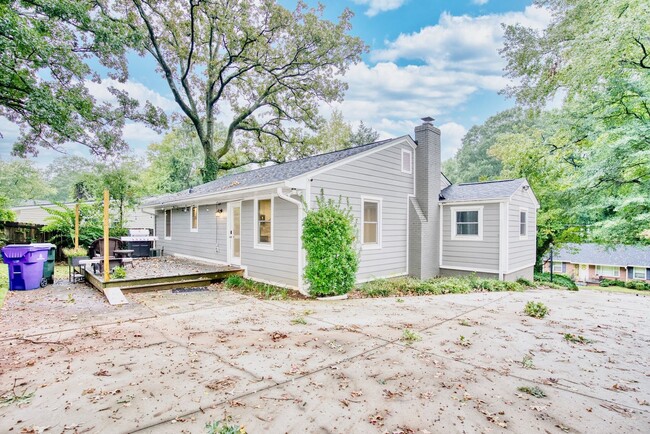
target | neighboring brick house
x=593, y=262
x=411, y=219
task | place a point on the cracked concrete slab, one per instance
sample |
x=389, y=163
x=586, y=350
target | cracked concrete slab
x=173, y=362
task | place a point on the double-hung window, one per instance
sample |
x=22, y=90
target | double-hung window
x=523, y=223
x=407, y=161
x=467, y=223
x=638, y=273
x=371, y=222
x=557, y=267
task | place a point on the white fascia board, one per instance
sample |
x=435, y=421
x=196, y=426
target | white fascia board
x=530, y=193
x=472, y=202
x=397, y=141
x=217, y=196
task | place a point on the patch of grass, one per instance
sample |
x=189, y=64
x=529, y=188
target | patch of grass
x=4, y=282
x=444, y=285
x=224, y=427
x=299, y=320
x=535, y=391
x=619, y=289
x=527, y=362
x=536, y=309
x=576, y=339
x=525, y=282
x=409, y=336
x=558, y=279
x=262, y=290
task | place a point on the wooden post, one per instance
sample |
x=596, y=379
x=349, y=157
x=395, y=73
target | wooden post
x=76, y=226
x=107, y=275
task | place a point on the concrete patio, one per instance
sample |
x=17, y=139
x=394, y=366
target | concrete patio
x=171, y=362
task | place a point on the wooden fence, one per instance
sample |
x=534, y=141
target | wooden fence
x=24, y=233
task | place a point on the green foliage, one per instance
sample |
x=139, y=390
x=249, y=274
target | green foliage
x=6, y=215
x=534, y=391
x=638, y=285
x=576, y=339
x=536, y=309
x=258, y=289
x=272, y=68
x=118, y=273
x=525, y=282
x=299, y=320
x=74, y=253
x=60, y=222
x=409, y=336
x=438, y=286
x=558, y=279
x=21, y=181
x=47, y=48
x=329, y=237
x=527, y=361
x=224, y=427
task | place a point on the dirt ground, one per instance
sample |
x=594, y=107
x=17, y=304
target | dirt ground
x=172, y=362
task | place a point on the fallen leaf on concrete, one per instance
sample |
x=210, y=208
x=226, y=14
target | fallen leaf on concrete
x=623, y=388
x=225, y=383
x=642, y=401
x=276, y=336
x=88, y=391
x=618, y=409
x=102, y=373
x=388, y=394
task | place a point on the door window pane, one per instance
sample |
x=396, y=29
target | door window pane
x=168, y=223
x=236, y=232
x=195, y=217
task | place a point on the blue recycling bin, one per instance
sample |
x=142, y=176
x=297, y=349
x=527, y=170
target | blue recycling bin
x=25, y=264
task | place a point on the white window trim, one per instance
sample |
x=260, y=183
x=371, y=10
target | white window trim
x=378, y=201
x=556, y=263
x=410, y=160
x=196, y=229
x=454, y=228
x=634, y=269
x=256, y=224
x=171, y=222
x=599, y=270
x=523, y=237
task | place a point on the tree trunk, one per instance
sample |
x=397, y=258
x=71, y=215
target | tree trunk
x=211, y=166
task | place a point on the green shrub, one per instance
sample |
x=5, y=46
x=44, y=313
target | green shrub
x=535, y=309
x=638, y=285
x=558, y=279
x=118, y=273
x=535, y=391
x=329, y=238
x=436, y=286
x=612, y=282
x=525, y=282
x=234, y=282
x=224, y=427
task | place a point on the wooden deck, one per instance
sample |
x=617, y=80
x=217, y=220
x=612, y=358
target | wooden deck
x=163, y=282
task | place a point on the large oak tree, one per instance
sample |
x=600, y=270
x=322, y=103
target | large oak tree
x=254, y=66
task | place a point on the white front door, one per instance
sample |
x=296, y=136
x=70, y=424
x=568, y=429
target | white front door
x=583, y=272
x=234, y=233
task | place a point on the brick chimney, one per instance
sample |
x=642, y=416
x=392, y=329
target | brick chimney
x=424, y=215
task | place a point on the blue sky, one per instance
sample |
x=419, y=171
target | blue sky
x=426, y=58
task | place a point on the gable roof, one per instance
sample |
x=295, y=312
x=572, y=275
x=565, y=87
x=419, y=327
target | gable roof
x=589, y=253
x=265, y=175
x=481, y=190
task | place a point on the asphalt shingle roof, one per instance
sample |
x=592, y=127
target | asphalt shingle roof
x=264, y=175
x=481, y=190
x=589, y=253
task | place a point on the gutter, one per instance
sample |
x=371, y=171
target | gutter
x=281, y=195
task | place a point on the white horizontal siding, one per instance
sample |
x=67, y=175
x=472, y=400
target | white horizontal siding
x=521, y=252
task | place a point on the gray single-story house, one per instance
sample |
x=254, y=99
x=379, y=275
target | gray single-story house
x=590, y=262
x=411, y=219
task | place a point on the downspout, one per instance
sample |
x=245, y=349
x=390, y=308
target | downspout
x=296, y=202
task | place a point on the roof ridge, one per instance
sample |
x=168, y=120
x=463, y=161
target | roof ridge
x=292, y=161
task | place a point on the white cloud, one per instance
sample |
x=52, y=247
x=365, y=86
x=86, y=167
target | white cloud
x=480, y=2
x=451, y=135
x=378, y=6
x=136, y=90
x=461, y=43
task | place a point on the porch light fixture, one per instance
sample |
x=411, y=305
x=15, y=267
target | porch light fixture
x=219, y=212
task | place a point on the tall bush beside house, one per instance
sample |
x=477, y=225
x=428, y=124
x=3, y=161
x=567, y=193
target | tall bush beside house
x=329, y=238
